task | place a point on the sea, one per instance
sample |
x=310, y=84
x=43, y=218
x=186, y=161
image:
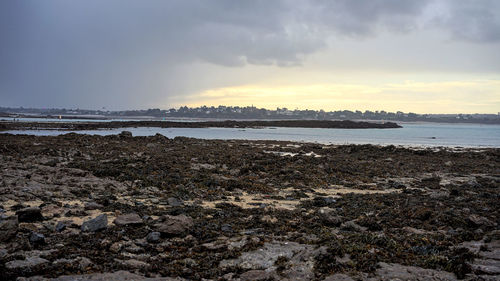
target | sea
x=411, y=135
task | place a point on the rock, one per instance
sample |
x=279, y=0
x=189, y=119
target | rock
x=115, y=276
x=96, y=224
x=257, y=275
x=37, y=238
x=338, y=277
x=389, y=271
x=153, y=237
x=30, y=264
x=125, y=134
x=486, y=266
x=128, y=219
x=300, y=257
x=352, y=226
x=30, y=214
x=60, y=226
x=268, y=219
x=330, y=220
x=83, y=263
x=116, y=247
x=174, y=202
x=133, y=264
x=226, y=228
x=8, y=228
x=93, y=206
x=174, y=225
x=479, y=221
x=323, y=201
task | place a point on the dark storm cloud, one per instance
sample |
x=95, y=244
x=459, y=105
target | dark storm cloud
x=91, y=53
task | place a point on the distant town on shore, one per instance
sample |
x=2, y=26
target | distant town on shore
x=251, y=112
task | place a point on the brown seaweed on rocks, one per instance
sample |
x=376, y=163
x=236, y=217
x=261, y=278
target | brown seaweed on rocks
x=194, y=209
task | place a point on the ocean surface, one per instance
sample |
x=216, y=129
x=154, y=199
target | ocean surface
x=412, y=134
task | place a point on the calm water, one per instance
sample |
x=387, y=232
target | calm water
x=451, y=135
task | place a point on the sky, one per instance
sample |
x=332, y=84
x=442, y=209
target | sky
x=425, y=56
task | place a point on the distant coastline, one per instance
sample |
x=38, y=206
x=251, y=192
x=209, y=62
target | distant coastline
x=248, y=113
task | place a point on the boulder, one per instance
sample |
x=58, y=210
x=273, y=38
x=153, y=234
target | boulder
x=96, y=224
x=30, y=214
x=128, y=219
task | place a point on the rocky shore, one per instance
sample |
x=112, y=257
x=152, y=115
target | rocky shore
x=80, y=207
x=205, y=124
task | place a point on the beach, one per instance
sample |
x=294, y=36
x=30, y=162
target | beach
x=156, y=207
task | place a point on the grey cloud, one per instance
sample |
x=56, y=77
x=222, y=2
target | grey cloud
x=475, y=21
x=69, y=53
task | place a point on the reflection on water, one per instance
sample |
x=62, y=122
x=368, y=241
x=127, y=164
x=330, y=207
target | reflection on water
x=450, y=135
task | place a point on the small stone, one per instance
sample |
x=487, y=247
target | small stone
x=174, y=202
x=338, y=277
x=116, y=247
x=125, y=134
x=479, y=221
x=175, y=225
x=8, y=228
x=83, y=263
x=134, y=264
x=128, y=219
x=96, y=224
x=37, y=238
x=26, y=265
x=30, y=214
x=269, y=219
x=60, y=226
x=255, y=275
x=352, y=226
x=226, y=228
x=153, y=237
x=93, y=206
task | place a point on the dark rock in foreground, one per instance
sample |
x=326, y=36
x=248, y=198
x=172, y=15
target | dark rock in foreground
x=128, y=219
x=8, y=228
x=30, y=214
x=96, y=224
x=174, y=225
